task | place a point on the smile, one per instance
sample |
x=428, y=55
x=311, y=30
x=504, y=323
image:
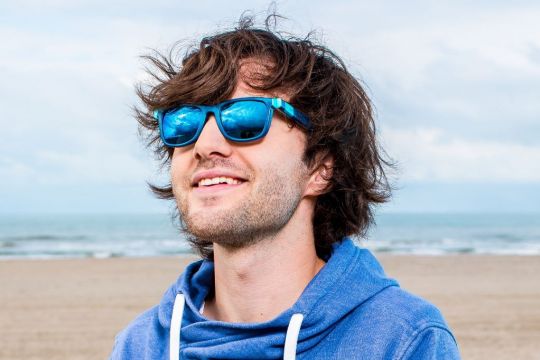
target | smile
x=217, y=181
x=216, y=188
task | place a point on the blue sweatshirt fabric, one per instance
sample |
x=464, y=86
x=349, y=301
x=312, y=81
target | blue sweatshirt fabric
x=350, y=309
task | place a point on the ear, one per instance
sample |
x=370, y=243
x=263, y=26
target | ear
x=320, y=178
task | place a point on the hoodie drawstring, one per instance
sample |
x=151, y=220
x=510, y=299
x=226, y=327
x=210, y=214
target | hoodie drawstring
x=176, y=323
x=291, y=339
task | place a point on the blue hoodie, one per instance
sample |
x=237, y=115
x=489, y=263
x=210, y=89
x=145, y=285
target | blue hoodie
x=349, y=310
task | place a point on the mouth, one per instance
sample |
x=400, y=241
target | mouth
x=217, y=181
x=213, y=185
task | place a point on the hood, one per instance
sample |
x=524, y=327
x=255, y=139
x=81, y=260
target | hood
x=351, y=276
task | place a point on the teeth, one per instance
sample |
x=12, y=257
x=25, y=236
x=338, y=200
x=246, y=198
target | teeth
x=218, y=180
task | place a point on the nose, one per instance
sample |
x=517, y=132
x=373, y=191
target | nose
x=211, y=142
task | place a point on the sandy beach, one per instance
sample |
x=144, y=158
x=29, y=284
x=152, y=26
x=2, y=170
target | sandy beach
x=71, y=309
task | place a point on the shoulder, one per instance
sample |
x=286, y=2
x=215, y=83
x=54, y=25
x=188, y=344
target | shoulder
x=417, y=326
x=132, y=341
x=405, y=308
x=147, y=336
x=430, y=342
x=395, y=324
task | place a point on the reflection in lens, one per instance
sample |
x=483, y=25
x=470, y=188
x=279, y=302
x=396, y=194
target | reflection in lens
x=244, y=119
x=180, y=125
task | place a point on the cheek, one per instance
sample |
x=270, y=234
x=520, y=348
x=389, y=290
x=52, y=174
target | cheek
x=179, y=168
x=283, y=166
x=289, y=139
x=175, y=168
x=281, y=153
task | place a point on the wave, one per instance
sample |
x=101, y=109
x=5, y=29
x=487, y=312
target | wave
x=44, y=237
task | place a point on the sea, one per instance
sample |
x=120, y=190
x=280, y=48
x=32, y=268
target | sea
x=51, y=236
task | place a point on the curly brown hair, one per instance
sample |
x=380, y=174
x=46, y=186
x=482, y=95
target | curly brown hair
x=319, y=85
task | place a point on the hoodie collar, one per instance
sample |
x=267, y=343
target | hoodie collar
x=351, y=276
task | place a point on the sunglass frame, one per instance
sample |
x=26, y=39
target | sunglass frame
x=271, y=104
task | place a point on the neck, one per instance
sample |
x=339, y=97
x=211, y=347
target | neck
x=257, y=283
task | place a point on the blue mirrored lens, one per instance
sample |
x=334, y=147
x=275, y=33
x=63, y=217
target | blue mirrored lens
x=243, y=120
x=180, y=125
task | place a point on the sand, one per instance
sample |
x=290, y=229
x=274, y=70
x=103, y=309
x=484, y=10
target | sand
x=71, y=309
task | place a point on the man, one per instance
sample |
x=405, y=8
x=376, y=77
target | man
x=274, y=163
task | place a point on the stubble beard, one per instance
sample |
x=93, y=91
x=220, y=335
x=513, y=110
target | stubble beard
x=260, y=215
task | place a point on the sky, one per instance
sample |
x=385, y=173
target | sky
x=455, y=85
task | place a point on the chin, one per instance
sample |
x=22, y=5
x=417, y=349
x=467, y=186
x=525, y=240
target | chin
x=207, y=220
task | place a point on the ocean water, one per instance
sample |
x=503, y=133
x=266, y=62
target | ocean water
x=439, y=234
x=100, y=236
x=76, y=235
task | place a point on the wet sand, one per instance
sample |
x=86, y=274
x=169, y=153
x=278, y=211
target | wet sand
x=71, y=309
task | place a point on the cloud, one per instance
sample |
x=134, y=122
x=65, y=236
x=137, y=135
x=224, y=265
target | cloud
x=428, y=154
x=96, y=159
x=476, y=76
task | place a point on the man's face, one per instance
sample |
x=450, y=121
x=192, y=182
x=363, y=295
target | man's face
x=269, y=181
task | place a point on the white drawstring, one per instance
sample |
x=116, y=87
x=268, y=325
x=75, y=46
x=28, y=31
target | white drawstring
x=291, y=339
x=176, y=323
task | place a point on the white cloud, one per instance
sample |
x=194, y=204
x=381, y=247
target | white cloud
x=428, y=154
x=480, y=45
x=93, y=159
x=14, y=171
x=91, y=167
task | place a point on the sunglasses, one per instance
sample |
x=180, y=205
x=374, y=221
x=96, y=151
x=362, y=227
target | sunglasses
x=239, y=120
